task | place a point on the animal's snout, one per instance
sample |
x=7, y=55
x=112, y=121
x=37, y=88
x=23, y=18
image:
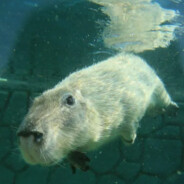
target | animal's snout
x=38, y=136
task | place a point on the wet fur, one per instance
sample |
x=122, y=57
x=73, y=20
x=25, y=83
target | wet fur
x=111, y=98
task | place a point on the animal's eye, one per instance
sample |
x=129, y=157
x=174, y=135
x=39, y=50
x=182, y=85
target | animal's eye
x=69, y=100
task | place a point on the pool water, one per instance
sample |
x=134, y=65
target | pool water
x=42, y=42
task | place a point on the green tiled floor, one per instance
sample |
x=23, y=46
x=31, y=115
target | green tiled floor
x=155, y=157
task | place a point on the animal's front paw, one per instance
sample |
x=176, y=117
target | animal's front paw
x=78, y=160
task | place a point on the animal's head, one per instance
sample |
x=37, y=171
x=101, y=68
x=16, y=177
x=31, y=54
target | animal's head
x=56, y=124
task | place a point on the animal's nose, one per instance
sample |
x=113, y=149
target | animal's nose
x=38, y=136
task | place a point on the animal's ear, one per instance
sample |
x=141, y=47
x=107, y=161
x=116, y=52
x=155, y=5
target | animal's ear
x=82, y=99
x=79, y=95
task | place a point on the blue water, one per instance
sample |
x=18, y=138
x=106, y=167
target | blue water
x=41, y=42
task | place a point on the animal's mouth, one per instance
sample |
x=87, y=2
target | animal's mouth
x=31, y=144
x=30, y=151
x=39, y=148
x=35, y=154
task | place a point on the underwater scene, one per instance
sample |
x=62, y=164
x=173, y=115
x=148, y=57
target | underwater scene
x=92, y=92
